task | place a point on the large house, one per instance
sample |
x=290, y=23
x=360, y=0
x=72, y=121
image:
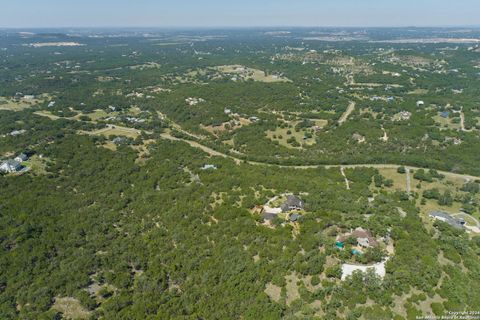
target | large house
x=292, y=203
x=364, y=238
x=10, y=166
x=445, y=217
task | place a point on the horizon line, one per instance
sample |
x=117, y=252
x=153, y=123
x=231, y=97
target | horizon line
x=242, y=27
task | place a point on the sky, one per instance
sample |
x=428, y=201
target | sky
x=237, y=13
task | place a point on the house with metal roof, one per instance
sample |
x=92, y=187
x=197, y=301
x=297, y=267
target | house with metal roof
x=21, y=157
x=292, y=203
x=268, y=216
x=444, y=114
x=294, y=217
x=10, y=166
x=445, y=217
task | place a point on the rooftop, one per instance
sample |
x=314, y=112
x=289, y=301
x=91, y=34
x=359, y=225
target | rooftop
x=445, y=217
x=359, y=233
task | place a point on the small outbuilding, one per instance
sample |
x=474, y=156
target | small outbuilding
x=119, y=140
x=444, y=114
x=268, y=216
x=294, y=217
x=21, y=157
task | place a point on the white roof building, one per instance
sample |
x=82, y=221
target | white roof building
x=10, y=166
x=209, y=167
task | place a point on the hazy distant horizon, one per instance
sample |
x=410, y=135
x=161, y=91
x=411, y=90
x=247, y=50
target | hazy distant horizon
x=32, y=14
x=146, y=28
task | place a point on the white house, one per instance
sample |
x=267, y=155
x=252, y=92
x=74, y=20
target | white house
x=209, y=167
x=10, y=166
x=405, y=115
x=17, y=132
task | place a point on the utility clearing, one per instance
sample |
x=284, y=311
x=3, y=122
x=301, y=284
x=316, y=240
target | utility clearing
x=346, y=114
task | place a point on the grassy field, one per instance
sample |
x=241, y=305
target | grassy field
x=96, y=115
x=36, y=164
x=12, y=105
x=110, y=145
x=148, y=65
x=320, y=122
x=292, y=288
x=228, y=126
x=468, y=219
x=399, y=179
x=116, y=131
x=446, y=123
x=273, y=291
x=451, y=184
x=419, y=91
x=108, y=131
x=294, y=282
x=71, y=308
x=282, y=134
x=370, y=111
x=250, y=73
x=432, y=205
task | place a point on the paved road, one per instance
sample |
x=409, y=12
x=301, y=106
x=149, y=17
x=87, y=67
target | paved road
x=351, y=107
x=213, y=152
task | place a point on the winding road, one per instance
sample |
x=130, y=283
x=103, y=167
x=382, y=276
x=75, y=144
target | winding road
x=212, y=152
